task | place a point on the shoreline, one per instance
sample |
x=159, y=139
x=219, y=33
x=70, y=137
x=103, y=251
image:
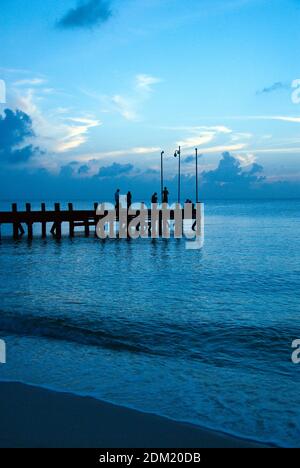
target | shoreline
x=37, y=417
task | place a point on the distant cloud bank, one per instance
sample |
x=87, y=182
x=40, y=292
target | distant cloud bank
x=20, y=179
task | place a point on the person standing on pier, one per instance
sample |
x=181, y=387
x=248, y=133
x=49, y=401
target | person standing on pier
x=117, y=198
x=154, y=198
x=165, y=195
x=129, y=200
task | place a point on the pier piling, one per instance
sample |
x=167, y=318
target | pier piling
x=44, y=224
x=29, y=223
x=71, y=224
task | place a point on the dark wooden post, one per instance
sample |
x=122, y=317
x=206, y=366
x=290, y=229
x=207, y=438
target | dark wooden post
x=44, y=224
x=29, y=222
x=87, y=228
x=149, y=222
x=160, y=221
x=15, y=225
x=71, y=223
x=96, y=204
x=57, y=221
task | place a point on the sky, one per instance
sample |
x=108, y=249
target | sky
x=95, y=89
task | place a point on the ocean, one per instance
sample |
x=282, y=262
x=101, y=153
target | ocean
x=202, y=336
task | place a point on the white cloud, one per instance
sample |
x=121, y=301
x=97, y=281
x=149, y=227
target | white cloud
x=246, y=159
x=198, y=128
x=30, y=82
x=278, y=150
x=56, y=131
x=201, y=135
x=192, y=142
x=286, y=119
x=282, y=118
x=125, y=107
x=139, y=150
x=145, y=82
x=239, y=136
x=223, y=148
x=75, y=133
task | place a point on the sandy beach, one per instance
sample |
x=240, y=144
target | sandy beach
x=36, y=417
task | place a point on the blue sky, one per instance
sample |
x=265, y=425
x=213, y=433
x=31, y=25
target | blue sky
x=116, y=81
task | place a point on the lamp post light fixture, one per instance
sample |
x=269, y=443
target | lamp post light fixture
x=178, y=154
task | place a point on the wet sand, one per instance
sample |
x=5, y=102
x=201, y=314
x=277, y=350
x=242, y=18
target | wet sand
x=36, y=417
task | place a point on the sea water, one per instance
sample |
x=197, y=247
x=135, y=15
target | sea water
x=203, y=336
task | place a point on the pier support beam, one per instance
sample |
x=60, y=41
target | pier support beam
x=44, y=224
x=96, y=204
x=18, y=230
x=56, y=228
x=29, y=224
x=86, y=229
x=71, y=224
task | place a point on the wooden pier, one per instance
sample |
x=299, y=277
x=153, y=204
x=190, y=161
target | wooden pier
x=86, y=219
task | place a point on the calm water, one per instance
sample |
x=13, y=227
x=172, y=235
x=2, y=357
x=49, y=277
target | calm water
x=201, y=336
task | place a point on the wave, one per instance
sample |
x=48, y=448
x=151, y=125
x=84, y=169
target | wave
x=219, y=344
x=61, y=329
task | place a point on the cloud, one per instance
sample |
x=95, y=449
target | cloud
x=125, y=107
x=246, y=159
x=15, y=132
x=282, y=118
x=279, y=85
x=230, y=173
x=128, y=104
x=286, y=118
x=145, y=82
x=189, y=159
x=201, y=139
x=139, y=150
x=115, y=170
x=223, y=148
x=229, y=180
x=214, y=139
x=75, y=133
x=87, y=14
x=202, y=135
x=30, y=82
x=56, y=130
x=83, y=170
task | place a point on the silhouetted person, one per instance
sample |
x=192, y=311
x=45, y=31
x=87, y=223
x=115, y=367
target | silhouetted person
x=129, y=200
x=117, y=198
x=165, y=195
x=154, y=198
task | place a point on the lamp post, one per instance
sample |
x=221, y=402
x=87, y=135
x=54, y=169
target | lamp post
x=197, y=190
x=161, y=174
x=178, y=154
